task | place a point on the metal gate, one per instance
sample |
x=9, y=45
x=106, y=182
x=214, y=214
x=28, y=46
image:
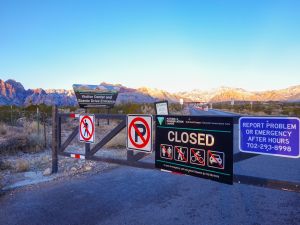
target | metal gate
x=134, y=159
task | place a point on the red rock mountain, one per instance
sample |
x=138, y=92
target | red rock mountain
x=13, y=93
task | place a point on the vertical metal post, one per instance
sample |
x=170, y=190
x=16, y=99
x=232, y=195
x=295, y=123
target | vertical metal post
x=108, y=111
x=98, y=123
x=54, y=139
x=45, y=132
x=87, y=149
x=59, y=132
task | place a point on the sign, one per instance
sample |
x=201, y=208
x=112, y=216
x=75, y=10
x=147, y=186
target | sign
x=161, y=108
x=195, y=145
x=87, y=128
x=181, y=101
x=94, y=96
x=139, y=132
x=276, y=136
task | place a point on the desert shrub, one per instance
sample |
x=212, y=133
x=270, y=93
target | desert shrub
x=3, y=129
x=147, y=109
x=18, y=165
x=119, y=141
x=4, y=165
x=33, y=127
x=35, y=142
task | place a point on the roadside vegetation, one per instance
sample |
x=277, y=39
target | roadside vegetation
x=28, y=129
x=25, y=140
x=261, y=108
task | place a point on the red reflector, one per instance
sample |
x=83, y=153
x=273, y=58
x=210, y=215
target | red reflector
x=77, y=156
x=177, y=173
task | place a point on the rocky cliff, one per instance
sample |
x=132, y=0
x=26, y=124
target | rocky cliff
x=13, y=93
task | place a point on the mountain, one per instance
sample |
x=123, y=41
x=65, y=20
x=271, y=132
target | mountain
x=291, y=94
x=13, y=93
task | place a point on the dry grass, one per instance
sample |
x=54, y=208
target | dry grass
x=17, y=165
x=33, y=127
x=3, y=129
x=119, y=141
x=25, y=139
x=21, y=165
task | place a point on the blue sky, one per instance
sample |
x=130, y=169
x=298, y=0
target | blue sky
x=167, y=44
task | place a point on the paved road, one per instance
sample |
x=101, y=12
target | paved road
x=210, y=112
x=127, y=195
x=138, y=196
x=270, y=167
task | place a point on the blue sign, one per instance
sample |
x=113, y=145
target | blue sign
x=276, y=136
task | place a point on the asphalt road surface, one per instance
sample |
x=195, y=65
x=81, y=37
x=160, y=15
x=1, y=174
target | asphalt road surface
x=127, y=195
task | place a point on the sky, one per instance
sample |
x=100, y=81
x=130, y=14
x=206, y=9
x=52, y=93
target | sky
x=174, y=45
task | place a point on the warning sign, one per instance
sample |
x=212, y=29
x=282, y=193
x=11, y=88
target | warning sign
x=87, y=128
x=197, y=156
x=181, y=154
x=215, y=159
x=195, y=145
x=139, y=132
x=166, y=151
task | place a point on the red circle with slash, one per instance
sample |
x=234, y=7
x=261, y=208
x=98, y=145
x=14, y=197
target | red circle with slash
x=90, y=134
x=145, y=141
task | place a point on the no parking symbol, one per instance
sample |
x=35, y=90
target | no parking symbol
x=139, y=132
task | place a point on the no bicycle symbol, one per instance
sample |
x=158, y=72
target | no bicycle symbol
x=139, y=132
x=87, y=128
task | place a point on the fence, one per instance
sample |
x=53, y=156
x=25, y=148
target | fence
x=132, y=159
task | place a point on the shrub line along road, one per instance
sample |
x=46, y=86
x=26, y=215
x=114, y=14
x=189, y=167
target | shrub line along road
x=127, y=195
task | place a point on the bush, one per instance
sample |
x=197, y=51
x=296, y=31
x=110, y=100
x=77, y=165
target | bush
x=18, y=165
x=119, y=141
x=21, y=165
x=3, y=129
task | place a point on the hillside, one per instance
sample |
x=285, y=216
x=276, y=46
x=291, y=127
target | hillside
x=14, y=93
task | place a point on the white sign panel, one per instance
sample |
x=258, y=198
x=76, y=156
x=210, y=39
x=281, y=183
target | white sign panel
x=139, y=133
x=162, y=108
x=87, y=128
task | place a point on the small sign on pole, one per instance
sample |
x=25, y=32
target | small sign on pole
x=162, y=108
x=87, y=128
x=277, y=136
x=181, y=101
x=139, y=133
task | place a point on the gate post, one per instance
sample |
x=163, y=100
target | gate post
x=54, y=139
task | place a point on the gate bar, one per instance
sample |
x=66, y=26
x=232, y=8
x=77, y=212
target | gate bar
x=267, y=183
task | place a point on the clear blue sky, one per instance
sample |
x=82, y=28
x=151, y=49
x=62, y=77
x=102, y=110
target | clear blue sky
x=172, y=45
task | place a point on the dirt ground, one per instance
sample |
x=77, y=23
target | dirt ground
x=24, y=159
x=22, y=165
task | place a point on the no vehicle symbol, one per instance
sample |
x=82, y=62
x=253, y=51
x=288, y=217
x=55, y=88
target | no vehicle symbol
x=87, y=128
x=139, y=132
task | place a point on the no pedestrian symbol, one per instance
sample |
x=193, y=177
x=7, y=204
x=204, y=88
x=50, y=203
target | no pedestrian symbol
x=139, y=132
x=87, y=128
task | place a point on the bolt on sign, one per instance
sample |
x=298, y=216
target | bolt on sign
x=95, y=96
x=197, y=146
x=276, y=136
x=87, y=128
x=139, y=133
